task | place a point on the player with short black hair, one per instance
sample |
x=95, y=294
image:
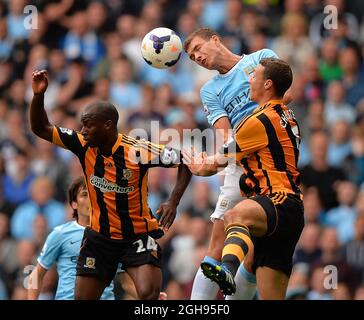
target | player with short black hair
x=115, y=166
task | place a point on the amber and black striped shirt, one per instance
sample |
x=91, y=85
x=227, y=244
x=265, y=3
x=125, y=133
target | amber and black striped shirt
x=266, y=145
x=117, y=184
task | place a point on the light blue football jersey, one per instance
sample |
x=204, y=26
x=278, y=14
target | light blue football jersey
x=63, y=247
x=228, y=95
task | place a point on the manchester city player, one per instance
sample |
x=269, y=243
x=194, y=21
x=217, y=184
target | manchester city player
x=63, y=246
x=226, y=101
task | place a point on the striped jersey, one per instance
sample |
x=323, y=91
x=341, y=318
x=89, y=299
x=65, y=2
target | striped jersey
x=117, y=184
x=266, y=145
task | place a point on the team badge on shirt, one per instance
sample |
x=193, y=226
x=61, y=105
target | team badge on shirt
x=90, y=263
x=127, y=174
x=249, y=70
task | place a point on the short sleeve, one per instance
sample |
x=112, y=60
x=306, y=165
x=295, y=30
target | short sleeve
x=68, y=139
x=212, y=107
x=267, y=53
x=155, y=155
x=249, y=137
x=51, y=249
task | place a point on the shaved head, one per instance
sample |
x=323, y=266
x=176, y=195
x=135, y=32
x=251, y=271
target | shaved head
x=102, y=111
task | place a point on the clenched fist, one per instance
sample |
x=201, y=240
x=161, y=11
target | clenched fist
x=39, y=81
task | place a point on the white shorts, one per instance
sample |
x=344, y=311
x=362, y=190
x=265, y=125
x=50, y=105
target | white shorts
x=229, y=192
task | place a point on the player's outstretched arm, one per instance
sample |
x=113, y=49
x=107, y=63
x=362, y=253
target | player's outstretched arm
x=203, y=165
x=167, y=210
x=38, y=117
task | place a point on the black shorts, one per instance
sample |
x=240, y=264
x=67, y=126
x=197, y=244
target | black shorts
x=100, y=256
x=285, y=223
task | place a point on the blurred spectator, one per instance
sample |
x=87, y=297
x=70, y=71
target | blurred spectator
x=97, y=21
x=354, y=250
x=332, y=255
x=201, y=203
x=313, y=207
x=25, y=254
x=313, y=82
x=354, y=163
x=82, y=41
x=42, y=203
x=16, y=96
x=5, y=42
x=213, y=13
x=308, y=248
x=250, y=25
x=17, y=136
x=230, y=29
x=329, y=66
x=15, y=20
x=175, y=291
x=77, y=87
x=318, y=290
x=186, y=24
x=156, y=191
x=335, y=106
x=298, y=282
x=40, y=232
x=124, y=92
x=359, y=293
x=340, y=146
x=293, y=45
x=342, y=292
x=353, y=76
x=18, y=178
x=180, y=261
x=319, y=173
x=46, y=163
x=342, y=217
x=113, y=45
x=142, y=117
x=8, y=261
x=318, y=31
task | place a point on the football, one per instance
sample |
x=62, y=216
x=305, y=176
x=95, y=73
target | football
x=161, y=48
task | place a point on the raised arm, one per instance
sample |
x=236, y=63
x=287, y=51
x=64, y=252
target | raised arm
x=167, y=210
x=39, y=122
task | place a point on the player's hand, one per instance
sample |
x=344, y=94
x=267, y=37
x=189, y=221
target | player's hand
x=194, y=162
x=39, y=81
x=166, y=214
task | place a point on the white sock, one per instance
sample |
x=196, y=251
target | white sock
x=203, y=288
x=246, y=285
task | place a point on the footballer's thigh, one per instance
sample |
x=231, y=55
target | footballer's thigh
x=96, y=265
x=147, y=279
x=89, y=287
x=251, y=214
x=272, y=284
x=142, y=261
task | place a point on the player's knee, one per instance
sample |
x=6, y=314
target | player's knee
x=80, y=295
x=233, y=216
x=239, y=215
